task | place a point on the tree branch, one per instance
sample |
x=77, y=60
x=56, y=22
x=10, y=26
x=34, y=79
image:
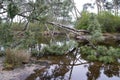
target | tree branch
x=60, y=25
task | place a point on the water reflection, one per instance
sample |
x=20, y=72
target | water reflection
x=93, y=71
x=73, y=68
x=99, y=71
x=111, y=70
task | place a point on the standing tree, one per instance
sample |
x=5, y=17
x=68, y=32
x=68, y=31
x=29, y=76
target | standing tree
x=116, y=4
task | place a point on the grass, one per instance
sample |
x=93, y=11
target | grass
x=16, y=57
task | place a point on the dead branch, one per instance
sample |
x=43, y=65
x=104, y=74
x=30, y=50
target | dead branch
x=60, y=25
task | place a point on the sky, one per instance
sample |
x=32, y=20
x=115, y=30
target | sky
x=80, y=3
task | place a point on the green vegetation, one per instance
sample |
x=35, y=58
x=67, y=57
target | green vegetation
x=82, y=22
x=95, y=29
x=59, y=48
x=107, y=59
x=15, y=58
x=55, y=49
x=13, y=10
x=91, y=57
x=6, y=35
x=26, y=21
x=102, y=54
x=107, y=21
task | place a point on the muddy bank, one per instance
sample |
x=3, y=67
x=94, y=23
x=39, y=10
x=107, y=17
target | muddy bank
x=20, y=73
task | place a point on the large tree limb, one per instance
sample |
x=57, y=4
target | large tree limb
x=60, y=25
x=68, y=28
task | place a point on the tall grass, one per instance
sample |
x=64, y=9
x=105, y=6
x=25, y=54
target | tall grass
x=16, y=57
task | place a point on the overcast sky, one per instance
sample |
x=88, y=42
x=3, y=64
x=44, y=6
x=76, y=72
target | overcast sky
x=80, y=3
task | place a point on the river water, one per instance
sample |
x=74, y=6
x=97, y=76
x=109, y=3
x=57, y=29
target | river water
x=74, y=67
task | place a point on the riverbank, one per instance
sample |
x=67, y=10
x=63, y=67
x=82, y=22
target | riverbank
x=20, y=73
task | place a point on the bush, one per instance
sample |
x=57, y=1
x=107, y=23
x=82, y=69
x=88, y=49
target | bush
x=101, y=50
x=55, y=49
x=82, y=22
x=16, y=57
x=108, y=21
x=106, y=59
x=91, y=57
x=102, y=53
x=115, y=52
x=95, y=28
x=34, y=53
x=87, y=50
x=59, y=49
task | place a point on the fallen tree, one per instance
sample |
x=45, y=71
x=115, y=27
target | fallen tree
x=73, y=30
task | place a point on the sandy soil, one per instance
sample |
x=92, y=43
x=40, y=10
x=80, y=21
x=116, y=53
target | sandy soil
x=20, y=73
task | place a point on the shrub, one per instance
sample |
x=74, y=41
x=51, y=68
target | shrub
x=59, y=49
x=115, y=52
x=108, y=21
x=95, y=28
x=102, y=50
x=102, y=53
x=87, y=50
x=34, y=53
x=82, y=22
x=91, y=57
x=106, y=59
x=55, y=49
x=16, y=57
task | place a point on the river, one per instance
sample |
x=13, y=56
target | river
x=74, y=67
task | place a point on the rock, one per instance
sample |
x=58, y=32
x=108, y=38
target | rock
x=19, y=73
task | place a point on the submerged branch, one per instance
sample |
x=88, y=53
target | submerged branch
x=74, y=64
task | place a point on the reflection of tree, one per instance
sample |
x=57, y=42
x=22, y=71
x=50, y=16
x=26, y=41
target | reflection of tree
x=112, y=70
x=59, y=67
x=73, y=64
x=109, y=70
x=54, y=72
x=94, y=71
x=62, y=67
